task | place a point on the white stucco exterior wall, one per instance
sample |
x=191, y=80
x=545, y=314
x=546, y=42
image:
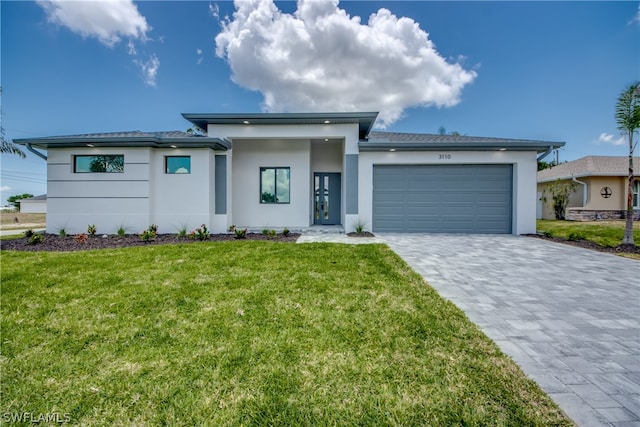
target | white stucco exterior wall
x=108, y=200
x=524, y=179
x=248, y=157
x=181, y=200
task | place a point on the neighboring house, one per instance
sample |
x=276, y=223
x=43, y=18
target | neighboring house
x=290, y=170
x=601, y=188
x=37, y=204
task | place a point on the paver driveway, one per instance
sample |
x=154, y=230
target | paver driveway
x=570, y=317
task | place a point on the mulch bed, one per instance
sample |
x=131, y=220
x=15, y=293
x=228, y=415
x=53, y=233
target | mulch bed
x=54, y=242
x=362, y=234
x=629, y=249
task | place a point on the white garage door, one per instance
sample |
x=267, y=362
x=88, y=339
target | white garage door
x=442, y=198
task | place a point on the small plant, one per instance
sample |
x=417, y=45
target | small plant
x=63, y=232
x=360, y=226
x=574, y=236
x=182, y=231
x=36, y=238
x=91, y=230
x=28, y=233
x=232, y=228
x=285, y=232
x=265, y=231
x=81, y=238
x=272, y=234
x=547, y=233
x=240, y=234
x=121, y=231
x=148, y=235
x=200, y=233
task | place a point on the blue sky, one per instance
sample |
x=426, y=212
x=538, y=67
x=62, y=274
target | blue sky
x=532, y=70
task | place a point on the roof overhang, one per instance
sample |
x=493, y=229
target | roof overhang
x=155, y=141
x=583, y=175
x=364, y=120
x=484, y=145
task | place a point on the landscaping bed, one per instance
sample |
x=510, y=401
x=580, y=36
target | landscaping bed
x=620, y=249
x=603, y=236
x=54, y=242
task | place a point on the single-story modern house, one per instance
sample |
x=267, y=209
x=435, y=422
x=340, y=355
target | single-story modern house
x=601, y=188
x=37, y=204
x=293, y=170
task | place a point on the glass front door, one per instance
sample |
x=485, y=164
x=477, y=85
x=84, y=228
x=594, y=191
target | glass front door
x=326, y=193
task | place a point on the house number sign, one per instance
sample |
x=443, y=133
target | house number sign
x=444, y=156
x=605, y=192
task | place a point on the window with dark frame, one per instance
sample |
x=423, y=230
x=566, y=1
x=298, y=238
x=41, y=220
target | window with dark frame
x=275, y=184
x=111, y=163
x=177, y=164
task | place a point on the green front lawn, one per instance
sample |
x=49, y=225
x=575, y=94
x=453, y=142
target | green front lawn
x=248, y=333
x=603, y=233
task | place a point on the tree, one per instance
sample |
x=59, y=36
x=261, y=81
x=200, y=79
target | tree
x=628, y=118
x=559, y=192
x=15, y=200
x=7, y=146
x=107, y=164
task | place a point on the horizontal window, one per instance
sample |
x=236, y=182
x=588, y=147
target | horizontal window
x=99, y=164
x=177, y=164
x=274, y=185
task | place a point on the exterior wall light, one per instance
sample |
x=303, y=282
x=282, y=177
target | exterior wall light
x=246, y=122
x=392, y=149
x=90, y=145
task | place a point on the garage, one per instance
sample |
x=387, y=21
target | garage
x=443, y=198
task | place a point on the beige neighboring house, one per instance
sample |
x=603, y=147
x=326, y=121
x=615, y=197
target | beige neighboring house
x=601, y=188
x=37, y=204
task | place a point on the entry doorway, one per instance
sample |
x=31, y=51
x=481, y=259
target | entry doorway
x=326, y=198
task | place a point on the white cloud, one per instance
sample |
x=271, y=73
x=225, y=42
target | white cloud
x=607, y=138
x=106, y=20
x=149, y=69
x=109, y=21
x=322, y=59
x=214, y=10
x=636, y=18
x=131, y=48
x=5, y=188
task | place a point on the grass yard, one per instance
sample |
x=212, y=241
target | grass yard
x=603, y=233
x=25, y=220
x=248, y=333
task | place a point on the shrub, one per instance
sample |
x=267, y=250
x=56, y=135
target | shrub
x=182, y=231
x=63, y=232
x=121, y=231
x=81, y=238
x=360, y=226
x=28, y=233
x=149, y=234
x=232, y=228
x=285, y=232
x=240, y=234
x=265, y=231
x=91, y=230
x=272, y=234
x=200, y=233
x=36, y=238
